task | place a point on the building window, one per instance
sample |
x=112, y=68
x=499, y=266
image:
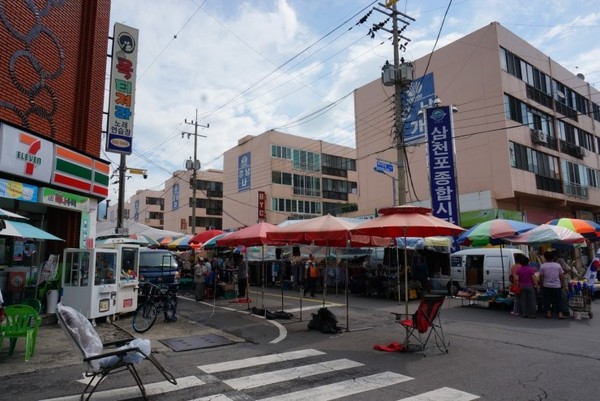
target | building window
x=281, y=152
x=279, y=177
x=296, y=206
x=338, y=189
x=306, y=185
x=522, y=113
x=336, y=165
x=335, y=209
x=212, y=189
x=543, y=165
x=306, y=161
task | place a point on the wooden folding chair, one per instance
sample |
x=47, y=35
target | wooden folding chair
x=108, y=358
x=424, y=323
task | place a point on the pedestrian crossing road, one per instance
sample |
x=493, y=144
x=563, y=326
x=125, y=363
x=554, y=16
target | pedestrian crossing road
x=304, y=375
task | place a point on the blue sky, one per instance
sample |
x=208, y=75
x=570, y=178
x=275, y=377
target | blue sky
x=292, y=65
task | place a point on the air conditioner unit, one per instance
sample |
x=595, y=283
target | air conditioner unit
x=579, y=152
x=538, y=136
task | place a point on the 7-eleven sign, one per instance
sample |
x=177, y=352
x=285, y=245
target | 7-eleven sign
x=25, y=155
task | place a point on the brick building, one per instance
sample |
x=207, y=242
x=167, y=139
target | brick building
x=52, y=86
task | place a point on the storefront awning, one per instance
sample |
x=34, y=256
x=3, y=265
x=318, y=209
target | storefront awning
x=20, y=229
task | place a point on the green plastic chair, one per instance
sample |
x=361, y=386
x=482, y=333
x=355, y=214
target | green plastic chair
x=34, y=303
x=20, y=321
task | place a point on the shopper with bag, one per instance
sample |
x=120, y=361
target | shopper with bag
x=526, y=283
x=520, y=260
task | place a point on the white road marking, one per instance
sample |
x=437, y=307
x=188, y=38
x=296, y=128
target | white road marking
x=343, y=388
x=215, y=397
x=278, y=376
x=134, y=392
x=443, y=394
x=259, y=360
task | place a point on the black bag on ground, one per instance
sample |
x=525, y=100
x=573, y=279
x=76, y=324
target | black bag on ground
x=324, y=321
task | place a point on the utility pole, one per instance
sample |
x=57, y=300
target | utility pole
x=121, y=201
x=400, y=77
x=194, y=165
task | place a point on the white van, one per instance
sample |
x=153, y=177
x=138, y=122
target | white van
x=481, y=268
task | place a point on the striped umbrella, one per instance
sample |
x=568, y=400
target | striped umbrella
x=144, y=238
x=587, y=228
x=180, y=243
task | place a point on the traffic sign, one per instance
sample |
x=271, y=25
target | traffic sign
x=384, y=166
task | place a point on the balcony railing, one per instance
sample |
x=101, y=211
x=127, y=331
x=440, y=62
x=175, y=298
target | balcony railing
x=575, y=190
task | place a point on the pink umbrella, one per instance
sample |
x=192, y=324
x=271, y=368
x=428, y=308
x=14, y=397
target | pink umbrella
x=254, y=235
x=406, y=221
x=325, y=230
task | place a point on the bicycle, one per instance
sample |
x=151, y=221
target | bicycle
x=156, y=301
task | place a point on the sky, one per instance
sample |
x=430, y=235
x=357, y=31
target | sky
x=250, y=66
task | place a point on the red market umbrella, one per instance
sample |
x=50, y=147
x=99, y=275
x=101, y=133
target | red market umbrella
x=587, y=228
x=204, y=236
x=254, y=235
x=406, y=221
x=325, y=230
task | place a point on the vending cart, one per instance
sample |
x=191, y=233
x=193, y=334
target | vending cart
x=89, y=283
x=126, y=274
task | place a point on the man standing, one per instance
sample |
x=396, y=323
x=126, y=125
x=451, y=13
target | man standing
x=312, y=274
x=242, y=276
x=199, y=277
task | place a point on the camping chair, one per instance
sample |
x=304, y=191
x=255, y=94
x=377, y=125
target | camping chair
x=20, y=321
x=120, y=355
x=424, y=323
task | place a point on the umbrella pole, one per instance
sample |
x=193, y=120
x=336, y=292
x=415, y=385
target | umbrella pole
x=405, y=274
x=398, y=274
x=347, y=301
x=502, y=263
x=264, y=278
x=324, y=277
x=281, y=270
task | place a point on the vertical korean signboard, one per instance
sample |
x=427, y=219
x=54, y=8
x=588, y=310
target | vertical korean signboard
x=440, y=156
x=122, y=90
x=244, y=162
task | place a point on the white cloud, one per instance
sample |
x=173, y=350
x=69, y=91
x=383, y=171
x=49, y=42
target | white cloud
x=225, y=57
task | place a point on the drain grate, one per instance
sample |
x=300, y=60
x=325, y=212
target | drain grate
x=195, y=342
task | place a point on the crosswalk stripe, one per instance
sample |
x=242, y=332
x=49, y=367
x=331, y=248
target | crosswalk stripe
x=133, y=391
x=215, y=397
x=343, y=388
x=259, y=360
x=443, y=394
x=278, y=376
x=312, y=307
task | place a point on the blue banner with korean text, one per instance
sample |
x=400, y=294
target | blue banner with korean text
x=419, y=94
x=244, y=172
x=441, y=160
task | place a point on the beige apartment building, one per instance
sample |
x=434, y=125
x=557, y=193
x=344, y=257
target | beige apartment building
x=171, y=208
x=526, y=135
x=275, y=176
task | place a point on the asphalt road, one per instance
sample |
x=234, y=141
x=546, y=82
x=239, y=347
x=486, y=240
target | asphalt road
x=492, y=356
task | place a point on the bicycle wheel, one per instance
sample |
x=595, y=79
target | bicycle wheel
x=144, y=317
x=170, y=309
